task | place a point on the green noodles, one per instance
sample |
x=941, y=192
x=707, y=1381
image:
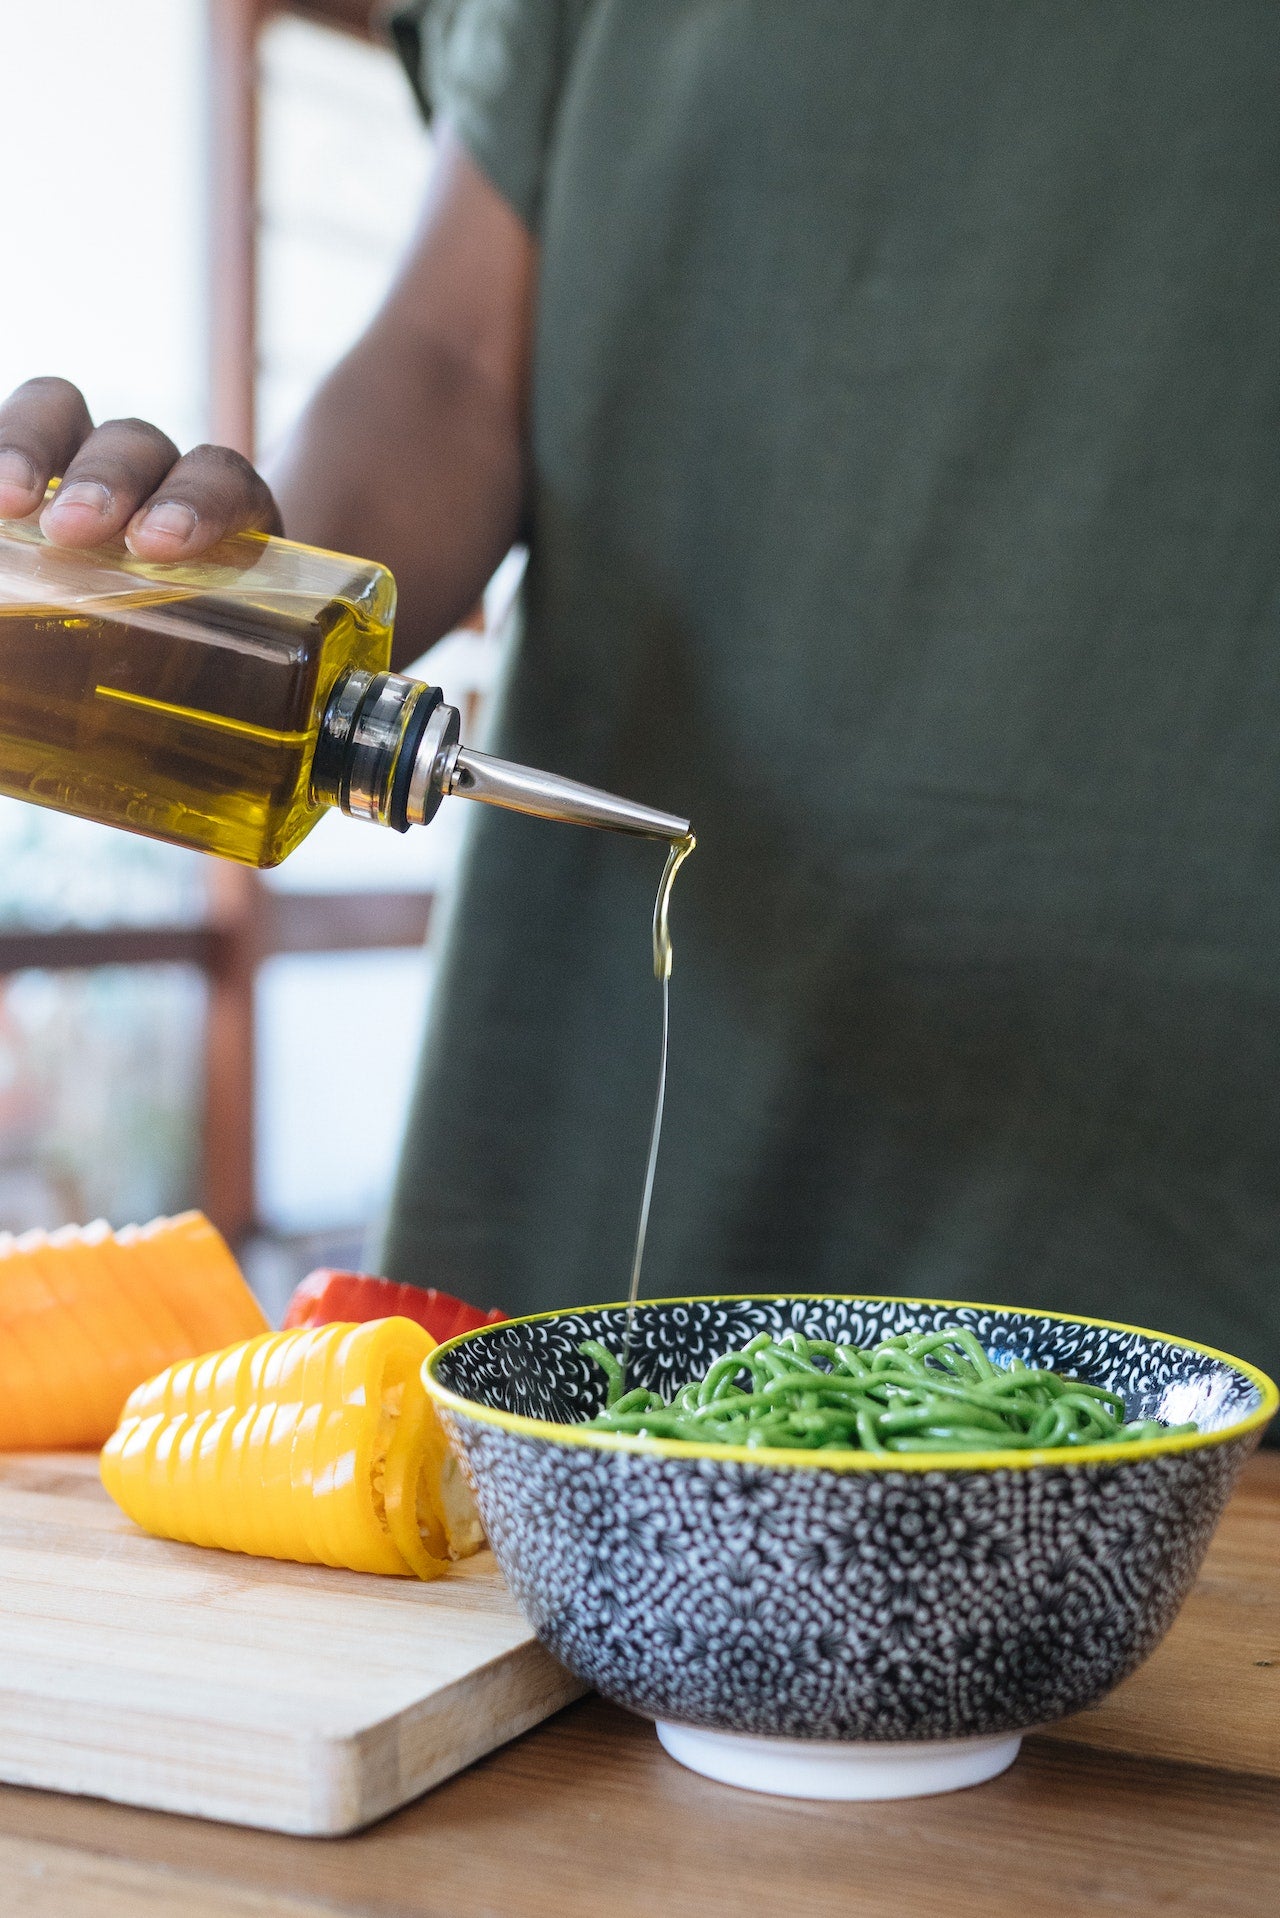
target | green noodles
x=915, y=1392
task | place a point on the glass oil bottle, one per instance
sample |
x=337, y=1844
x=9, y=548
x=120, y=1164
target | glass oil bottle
x=224, y=705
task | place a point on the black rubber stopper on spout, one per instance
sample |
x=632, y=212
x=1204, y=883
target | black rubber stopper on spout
x=398, y=804
x=334, y=739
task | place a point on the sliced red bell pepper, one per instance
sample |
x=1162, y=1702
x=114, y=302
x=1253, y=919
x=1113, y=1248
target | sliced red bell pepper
x=325, y=1297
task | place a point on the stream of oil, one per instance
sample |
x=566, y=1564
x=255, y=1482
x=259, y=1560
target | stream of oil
x=679, y=852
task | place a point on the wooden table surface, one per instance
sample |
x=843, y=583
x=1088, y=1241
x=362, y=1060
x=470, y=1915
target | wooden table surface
x=1163, y=1800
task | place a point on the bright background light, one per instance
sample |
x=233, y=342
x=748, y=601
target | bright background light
x=102, y=142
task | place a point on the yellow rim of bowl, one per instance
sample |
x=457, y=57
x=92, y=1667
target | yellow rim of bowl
x=838, y=1461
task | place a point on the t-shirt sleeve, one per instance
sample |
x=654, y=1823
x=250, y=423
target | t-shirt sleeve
x=493, y=69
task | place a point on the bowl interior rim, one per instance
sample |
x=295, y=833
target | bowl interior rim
x=996, y=1458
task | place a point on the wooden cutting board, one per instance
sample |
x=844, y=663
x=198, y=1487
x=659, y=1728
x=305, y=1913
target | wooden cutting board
x=286, y=1696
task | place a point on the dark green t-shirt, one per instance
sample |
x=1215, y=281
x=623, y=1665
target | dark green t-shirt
x=904, y=509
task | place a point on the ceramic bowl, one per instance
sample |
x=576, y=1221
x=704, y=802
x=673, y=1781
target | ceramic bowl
x=842, y=1624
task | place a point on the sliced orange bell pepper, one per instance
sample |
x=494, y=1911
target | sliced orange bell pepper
x=86, y=1314
x=317, y=1444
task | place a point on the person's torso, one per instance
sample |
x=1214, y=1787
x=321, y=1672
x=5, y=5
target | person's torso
x=906, y=468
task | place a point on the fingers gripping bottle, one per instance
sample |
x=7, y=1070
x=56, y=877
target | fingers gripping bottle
x=226, y=704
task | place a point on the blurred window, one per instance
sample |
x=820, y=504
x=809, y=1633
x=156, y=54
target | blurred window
x=102, y=255
x=113, y=301
x=335, y=1058
x=100, y=1074
x=105, y=1069
x=343, y=158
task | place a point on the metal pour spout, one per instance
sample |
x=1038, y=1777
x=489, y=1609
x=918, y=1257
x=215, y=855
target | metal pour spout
x=498, y=782
x=389, y=749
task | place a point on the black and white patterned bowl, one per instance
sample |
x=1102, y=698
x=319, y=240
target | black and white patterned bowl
x=842, y=1596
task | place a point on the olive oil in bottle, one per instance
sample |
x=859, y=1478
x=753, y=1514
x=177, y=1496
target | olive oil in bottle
x=183, y=702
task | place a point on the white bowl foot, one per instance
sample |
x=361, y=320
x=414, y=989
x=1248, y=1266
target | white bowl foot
x=834, y=1768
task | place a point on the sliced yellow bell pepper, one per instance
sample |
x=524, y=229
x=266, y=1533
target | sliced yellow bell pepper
x=319, y=1445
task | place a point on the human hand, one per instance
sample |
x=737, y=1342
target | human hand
x=124, y=476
